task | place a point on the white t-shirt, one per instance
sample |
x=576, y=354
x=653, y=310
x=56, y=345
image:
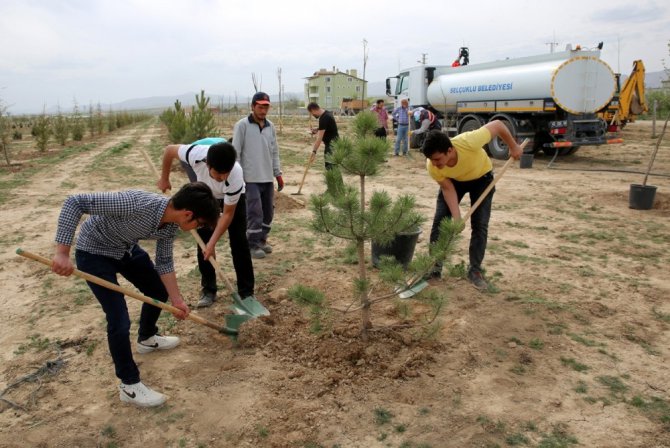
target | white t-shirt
x=229, y=190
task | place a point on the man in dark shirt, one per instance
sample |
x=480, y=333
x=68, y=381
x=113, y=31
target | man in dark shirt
x=326, y=133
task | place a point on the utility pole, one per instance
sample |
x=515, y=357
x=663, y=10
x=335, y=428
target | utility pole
x=280, y=101
x=422, y=61
x=552, y=44
x=365, y=63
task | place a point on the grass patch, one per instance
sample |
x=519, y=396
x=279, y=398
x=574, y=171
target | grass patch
x=574, y=365
x=559, y=438
x=36, y=343
x=382, y=416
x=614, y=384
x=584, y=341
x=314, y=300
x=663, y=317
x=536, y=344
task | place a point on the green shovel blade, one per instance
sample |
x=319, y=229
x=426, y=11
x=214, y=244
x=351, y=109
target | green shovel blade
x=413, y=290
x=249, y=306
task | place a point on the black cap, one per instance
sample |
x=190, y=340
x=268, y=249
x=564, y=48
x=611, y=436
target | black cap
x=260, y=98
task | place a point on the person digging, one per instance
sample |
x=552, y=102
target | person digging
x=459, y=166
x=216, y=166
x=107, y=245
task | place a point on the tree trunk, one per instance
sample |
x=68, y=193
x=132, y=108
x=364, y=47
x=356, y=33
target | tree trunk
x=4, y=150
x=364, y=299
x=362, y=274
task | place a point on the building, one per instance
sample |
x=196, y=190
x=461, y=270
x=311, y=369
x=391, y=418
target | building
x=329, y=88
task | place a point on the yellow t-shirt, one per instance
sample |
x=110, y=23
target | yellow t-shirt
x=473, y=162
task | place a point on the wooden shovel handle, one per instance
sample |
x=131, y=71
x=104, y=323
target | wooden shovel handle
x=491, y=185
x=114, y=287
x=304, y=175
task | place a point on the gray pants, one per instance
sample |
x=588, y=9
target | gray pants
x=260, y=211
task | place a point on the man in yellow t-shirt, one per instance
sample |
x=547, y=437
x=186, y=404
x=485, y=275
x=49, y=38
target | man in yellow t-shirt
x=462, y=166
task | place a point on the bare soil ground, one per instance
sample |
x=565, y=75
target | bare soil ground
x=569, y=347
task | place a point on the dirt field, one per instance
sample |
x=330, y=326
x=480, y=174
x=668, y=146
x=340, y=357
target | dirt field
x=568, y=348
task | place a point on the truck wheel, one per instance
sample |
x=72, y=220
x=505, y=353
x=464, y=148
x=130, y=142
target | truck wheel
x=470, y=125
x=497, y=147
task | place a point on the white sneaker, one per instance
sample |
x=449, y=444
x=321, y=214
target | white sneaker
x=157, y=342
x=140, y=395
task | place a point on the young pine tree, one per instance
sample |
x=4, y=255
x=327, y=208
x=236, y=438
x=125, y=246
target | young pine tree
x=346, y=212
x=61, y=128
x=201, y=123
x=42, y=131
x=77, y=124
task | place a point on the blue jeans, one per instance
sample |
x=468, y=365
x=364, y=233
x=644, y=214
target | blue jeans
x=260, y=211
x=401, y=139
x=138, y=269
x=239, y=249
x=479, y=221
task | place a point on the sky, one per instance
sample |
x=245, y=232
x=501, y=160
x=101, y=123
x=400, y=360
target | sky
x=53, y=53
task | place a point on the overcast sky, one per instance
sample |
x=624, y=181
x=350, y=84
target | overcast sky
x=107, y=51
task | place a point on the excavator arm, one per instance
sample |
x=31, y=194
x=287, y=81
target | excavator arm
x=632, y=100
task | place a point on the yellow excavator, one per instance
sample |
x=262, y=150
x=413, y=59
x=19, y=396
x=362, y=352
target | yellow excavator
x=629, y=102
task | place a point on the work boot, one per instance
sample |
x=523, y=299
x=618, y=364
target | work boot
x=157, y=342
x=206, y=299
x=140, y=395
x=257, y=252
x=265, y=247
x=477, y=280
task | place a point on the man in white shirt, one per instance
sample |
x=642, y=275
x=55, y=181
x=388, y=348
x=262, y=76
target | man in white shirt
x=216, y=166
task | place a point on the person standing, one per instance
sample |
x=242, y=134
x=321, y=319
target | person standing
x=459, y=166
x=255, y=141
x=108, y=245
x=215, y=166
x=401, y=116
x=326, y=132
x=382, y=119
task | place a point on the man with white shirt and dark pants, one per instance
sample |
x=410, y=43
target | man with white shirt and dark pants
x=216, y=166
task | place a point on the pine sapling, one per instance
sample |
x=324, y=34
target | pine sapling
x=346, y=212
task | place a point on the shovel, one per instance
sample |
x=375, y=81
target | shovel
x=232, y=322
x=491, y=185
x=304, y=175
x=249, y=306
x=416, y=285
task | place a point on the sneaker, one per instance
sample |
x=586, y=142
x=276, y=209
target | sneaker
x=206, y=299
x=157, y=342
x=266, y=248
x=477, y=280
x=257, y=252
x=140, y=395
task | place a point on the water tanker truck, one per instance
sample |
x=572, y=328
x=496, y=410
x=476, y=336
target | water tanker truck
x=553, y=99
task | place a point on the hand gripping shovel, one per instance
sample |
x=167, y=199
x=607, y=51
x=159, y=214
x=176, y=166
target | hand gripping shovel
x=232, y=322
x=415, y=285
x=249, y=307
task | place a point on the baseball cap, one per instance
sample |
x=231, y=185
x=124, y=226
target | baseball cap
x=260, y=98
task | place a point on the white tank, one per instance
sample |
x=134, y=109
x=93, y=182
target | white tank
x=577, y=81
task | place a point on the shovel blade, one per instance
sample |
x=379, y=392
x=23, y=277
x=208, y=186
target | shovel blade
x=248, y=306
x=413, y=290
